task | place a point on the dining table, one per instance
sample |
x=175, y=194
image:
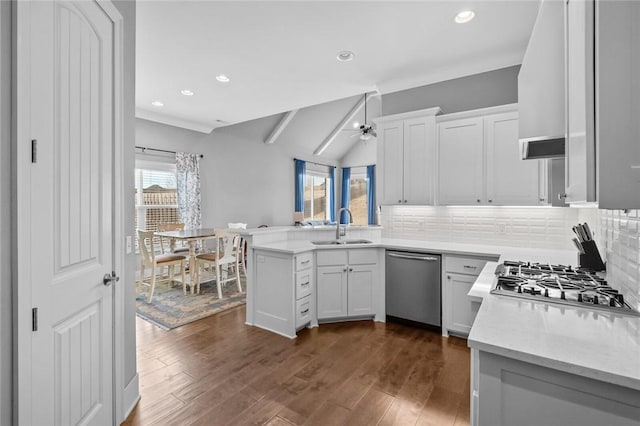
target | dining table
x=191, y=236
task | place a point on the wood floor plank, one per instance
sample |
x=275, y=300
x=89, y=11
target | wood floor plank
x=220, y=371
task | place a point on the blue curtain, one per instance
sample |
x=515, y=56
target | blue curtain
x=346, y=194
x=371, y=191
x=301, y=168
x=332, y=194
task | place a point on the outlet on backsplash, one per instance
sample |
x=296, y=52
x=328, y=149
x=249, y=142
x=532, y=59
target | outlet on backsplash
x=501, y=228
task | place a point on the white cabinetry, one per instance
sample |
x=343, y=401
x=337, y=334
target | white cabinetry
x=508, y=392
x=348, y=282
x=283, y=296
x=406, y=151
x=602, y=162
x=459, y=274
x=479, y=161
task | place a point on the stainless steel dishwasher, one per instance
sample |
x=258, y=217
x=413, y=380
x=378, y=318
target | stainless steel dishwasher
x=413, y=286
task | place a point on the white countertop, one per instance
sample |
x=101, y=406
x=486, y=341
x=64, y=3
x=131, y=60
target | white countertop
x=598, y=344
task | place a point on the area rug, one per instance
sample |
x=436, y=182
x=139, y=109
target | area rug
x=170, y=309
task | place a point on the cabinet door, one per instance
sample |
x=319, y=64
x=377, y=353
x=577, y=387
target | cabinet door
x=510, y=179
x=580, y=150
x=390, y=152
x=460, y=162
x=332, y=291
x=419, y=151
x=360, y=294
x=460, y=316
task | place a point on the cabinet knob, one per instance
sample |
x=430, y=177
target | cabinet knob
x=448, y=277
x=478, y=200
x=344, y=270
x=400, y=201
x=542, y=199
x=405, y=201
x=491, y=201
x=562, y=196
x=350, y=269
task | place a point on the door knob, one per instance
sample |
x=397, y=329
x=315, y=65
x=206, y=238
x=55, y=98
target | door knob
x=108, y=279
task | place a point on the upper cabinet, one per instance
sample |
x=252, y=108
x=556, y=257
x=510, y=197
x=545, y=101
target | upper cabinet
x=602, y=103
x=406, y=157
x=541, y=77
x=479, y=161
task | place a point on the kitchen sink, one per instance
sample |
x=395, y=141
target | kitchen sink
x=339, y=242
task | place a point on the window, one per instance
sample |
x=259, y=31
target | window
x=316, y=196
x=156, y=194
x=358, y=196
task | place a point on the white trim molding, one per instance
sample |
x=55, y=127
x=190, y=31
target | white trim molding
x=174, y=121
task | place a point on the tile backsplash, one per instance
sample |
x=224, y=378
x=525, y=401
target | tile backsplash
x=510, y=226
x=617, y=233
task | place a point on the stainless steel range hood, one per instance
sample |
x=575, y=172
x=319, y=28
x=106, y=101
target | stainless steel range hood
x=542, y=148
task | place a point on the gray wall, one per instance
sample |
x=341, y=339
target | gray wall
x=127, y=9
x=482, y=90
x=5, y=210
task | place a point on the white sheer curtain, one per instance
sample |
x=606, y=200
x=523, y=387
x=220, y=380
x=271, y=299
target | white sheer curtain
x=188, y=179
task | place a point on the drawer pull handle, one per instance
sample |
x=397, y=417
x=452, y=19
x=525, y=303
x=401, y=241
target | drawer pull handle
x=305, y=311
x=307, y=283
x=305, y=262
x=469, y=267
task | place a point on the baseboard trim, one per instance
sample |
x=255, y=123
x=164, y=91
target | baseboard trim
x=131, y=396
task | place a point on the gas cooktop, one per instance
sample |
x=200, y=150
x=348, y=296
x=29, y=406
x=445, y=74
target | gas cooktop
x=559, y=284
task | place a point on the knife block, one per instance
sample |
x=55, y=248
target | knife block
x=591, y=258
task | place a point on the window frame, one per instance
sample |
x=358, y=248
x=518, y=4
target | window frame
x=314, y=173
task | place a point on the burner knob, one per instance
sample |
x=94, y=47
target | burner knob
x=620, y=299
x=595, y=299
x=562, y=295
x=546, y=292
x=579, y=297
x=519, y=289
x=612, y=301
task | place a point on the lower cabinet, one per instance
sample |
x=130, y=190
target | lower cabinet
x=346, y=283
x=459, y=274
x=507, y=392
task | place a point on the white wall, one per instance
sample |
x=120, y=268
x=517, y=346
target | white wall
x=5, y=212
x=127, y=9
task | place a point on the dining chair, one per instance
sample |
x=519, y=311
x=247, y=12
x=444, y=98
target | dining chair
x=148, y=258
x=169, y=242
x=224, y=256
x=241, y=244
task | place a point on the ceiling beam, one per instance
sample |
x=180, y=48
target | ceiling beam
x=280, y=127
x=346, y=119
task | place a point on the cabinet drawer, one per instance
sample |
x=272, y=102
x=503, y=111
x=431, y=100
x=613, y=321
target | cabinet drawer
x=363, y=256
x=465, y=265
x=304, y=260
x=304, y=283
x=303, y=311
x=331, y=257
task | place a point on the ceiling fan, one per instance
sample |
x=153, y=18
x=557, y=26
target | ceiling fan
x=365, y=130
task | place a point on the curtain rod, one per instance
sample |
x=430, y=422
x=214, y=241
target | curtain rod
x=355, y=167
x=144, y=148
x=313, y=162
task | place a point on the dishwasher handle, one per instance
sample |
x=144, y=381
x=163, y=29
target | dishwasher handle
x=404, y=256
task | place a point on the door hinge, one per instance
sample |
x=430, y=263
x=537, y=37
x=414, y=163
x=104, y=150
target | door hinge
x=34, y=150
x=34, y=319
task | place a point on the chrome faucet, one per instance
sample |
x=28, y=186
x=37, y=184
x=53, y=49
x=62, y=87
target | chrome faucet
x=339, y=216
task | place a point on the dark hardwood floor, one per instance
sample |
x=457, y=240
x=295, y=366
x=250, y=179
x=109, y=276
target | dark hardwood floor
x=218, y=371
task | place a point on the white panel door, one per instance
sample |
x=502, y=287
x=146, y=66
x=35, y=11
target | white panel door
x=332, y=291
x=419, y=151
x=360, y=292
x=460, y=162
x=72, y=229
x=510, y=179
x=390, y=154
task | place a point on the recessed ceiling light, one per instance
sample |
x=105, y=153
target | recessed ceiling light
x=464, y=16
x=223, y=78
x=187, y=92
x=345, y=56
x=157, y=104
